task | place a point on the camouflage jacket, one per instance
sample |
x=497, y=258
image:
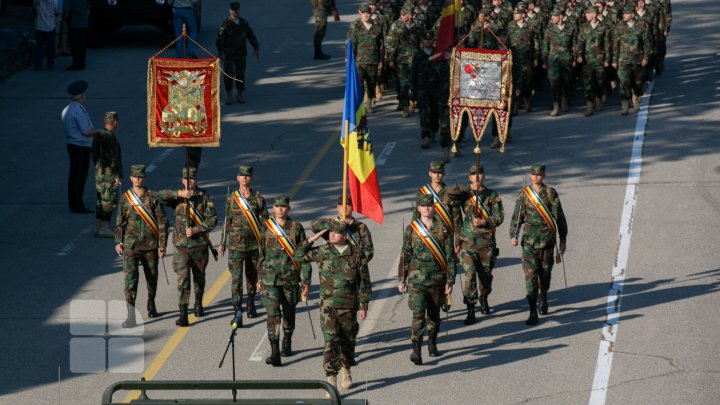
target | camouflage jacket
x=239, y=236
x=326, y=6
x=389, y=10
x=132, y=231
x=360, y=232
x=593, y=44
x=344, y=277
x=402, y=42
x=429, y=78
x=503, y=15
x=417, y=263
x=203, y=204
x=422, y=16
x=452, y=207
x=631, y=44
x=522, y=41
x=649, y=24
x=275, y=267
x=478, y=235
x=536, y=232
x=663, y=11
x=107, y=157
x=233, y=36
x=381, y=20
x=558, y=43
x=483, y=38
x=468, y=15
x=367, y=45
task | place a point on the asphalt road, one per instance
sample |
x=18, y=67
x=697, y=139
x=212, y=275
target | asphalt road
x=646, y=233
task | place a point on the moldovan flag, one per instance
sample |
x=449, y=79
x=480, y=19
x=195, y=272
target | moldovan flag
x=362, y=173
x=446, y=33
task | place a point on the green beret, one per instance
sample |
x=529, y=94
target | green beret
x=337, y=226
x=425, y=200
x=78, y=87
x=348, y=200
x=111, y=116
x=245, y=171
x=189, y=172
x=629, y=9
x=282, y=201
x=537, y=168
x=437, y=167
x=137, y=170
x=364, y=8
x=476, y=170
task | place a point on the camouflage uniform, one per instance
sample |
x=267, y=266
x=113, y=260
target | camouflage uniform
x=108, y=168
x=630, y=49
x=557, y=54
x=522, y=41
x=321, y=10
x=452, y=208
x=367, y=46
x=503, y=14
x=231, y=42
x=594, y=47
x=401, y=43
x=431, y=90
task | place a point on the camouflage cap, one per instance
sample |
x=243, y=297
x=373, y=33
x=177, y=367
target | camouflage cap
x=406, y=9
x=557, y=11
x=348, y=200
x=337, y=226
x=245, y=171
x=628, y=9
x=137, y=171
x=537, y=168
x=111, y=116
x=77, y=87
x=235, y=6
x=424, y=200
x=282, y=201
x=189, y=172
x=372, y=2
x=521, y=8
x=437, y=167
x=590, y=9
x=364, y=8
x=475, y=170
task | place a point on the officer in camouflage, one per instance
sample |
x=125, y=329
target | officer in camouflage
x=401, y=43
x=108, y=174
x=191, y=239
x=279, y=276
x=427, y=273
x=231, y=43
x=246, y=210
x=557, y=56
x=484, y=213
x=368, y=48
x=140, y=237
x=321, y=10
x=345, y=291
x=631, y=53
x=592, y=50
x=538, y=208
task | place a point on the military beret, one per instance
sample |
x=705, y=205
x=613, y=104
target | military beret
x=282, y=201
x=245, y=171
x=364, y=8
x=337, y=226
x=235, y=6
x=428, y=35
x=537, y=168
x=475, y=170
x=628, y=9
x=137, y=170
x=111, y=116
x=189, y=172
x=348, y=200
x=424, y=200
x=78, y=87
x=437, y=167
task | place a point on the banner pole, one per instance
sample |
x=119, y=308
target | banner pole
x=346, y=147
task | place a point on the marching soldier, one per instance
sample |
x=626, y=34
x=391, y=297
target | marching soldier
x=631, y=52
x=484, y=212
x=344, y=294
x=245, y=215
x=445, y=209
x=401, y=43
x=557, y=55
x=279, y=276
x=231, y=43
x=427, y=271
x=195, y=217
x=108, y=174
x=140, y=237
x=321, y=10
x=368, y=48
x=538, y=208
x=522, y=41
x=592, y=51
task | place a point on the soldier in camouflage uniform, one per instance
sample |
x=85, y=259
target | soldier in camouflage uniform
x=539, y=237
x=401, y=43
x=321, y=10
x=663, y=11
x=191, y=240
x=592, y=50
x=140, y=239
x=108, y=174
x=428, y=276
x=367, y=46
x=436, y=173
x=557, y=56
x=231, y=42
x=483, y=214
x=503, y=12
x=279, y=277
x=648, y=19
x=482, y=31
x=525, y=47
x=383, y=72
x=345, y=291
x=631, y=52
x=240, y=240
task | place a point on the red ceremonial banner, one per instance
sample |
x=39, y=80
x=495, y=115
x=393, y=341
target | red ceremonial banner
x=183, y=102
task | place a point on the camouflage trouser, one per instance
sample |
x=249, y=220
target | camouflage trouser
x=537, y=265
x=478, y=263
x=235, y=67
x=610, y=76
x=367, y=75
x=560, y=76
x=275, y=298
x=523, y=78
x=237, y=262
x=404, y=80
x=107, y=196
x=425, y=302
x=149, y=261
x=593, y=81
x=632, y=79
x=321, y=17
x=434, y=114
x=187, y=262
x=337, y=326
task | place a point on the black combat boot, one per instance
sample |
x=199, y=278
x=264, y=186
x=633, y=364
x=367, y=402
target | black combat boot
x=152, y=310
x=533, y=318
x=470, y=315
x=251, y=312
x=319, y=55
x=183, y=319
x=416, y=356
x=199, y=310
x=130, y=321
x=484, y=307
x=237, y=321
x=432, y=346
x=287, y=345
x=274, y=358
x=542, y=303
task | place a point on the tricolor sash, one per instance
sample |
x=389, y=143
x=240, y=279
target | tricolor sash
x=283, y=239
x=195, y=215
x=248, y=213
x=351, y=237
x=144, y=213
x=481, y=208
x=440, y=208
x=541, y=208
x=430, y=242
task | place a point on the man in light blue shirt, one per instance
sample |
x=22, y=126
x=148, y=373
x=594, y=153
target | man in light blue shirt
x=185, y=11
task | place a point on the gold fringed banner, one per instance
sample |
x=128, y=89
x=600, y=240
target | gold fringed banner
x=183, y=102
x=481, y=86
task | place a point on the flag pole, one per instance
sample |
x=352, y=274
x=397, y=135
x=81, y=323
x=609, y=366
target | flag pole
x=346, y=147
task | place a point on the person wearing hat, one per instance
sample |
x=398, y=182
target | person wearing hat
x=427, y=271
x=367, y=39
x=345, y=292
x=503, y=12
x=557, y=56
x=279, y=277
x=481, y=36
x=321, y=10
x=445, y=210
x=245, y=214
x=195, y=217
x=141, y=232
x=525, y=47
x=484, y=213
x=539, y=212
x=108, y=174
x=401, y=43
x=79, y=131
x=232, y=38
x=592, y=51
x=376, y=17
x=630, y=53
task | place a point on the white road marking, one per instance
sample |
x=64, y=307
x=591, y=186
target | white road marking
x=387, y=150
x=71, y=245
x=282, y=45
x=154, y=164
x=259, y=352
x=612, y=322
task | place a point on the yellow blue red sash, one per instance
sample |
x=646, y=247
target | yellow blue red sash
x=195, y=215
x=440, y=208
x=430, y=242
x=541, y=208
x=351, y=237
x=282, y=238
x=482, y=209
x=248, y=213
x=144, y=213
